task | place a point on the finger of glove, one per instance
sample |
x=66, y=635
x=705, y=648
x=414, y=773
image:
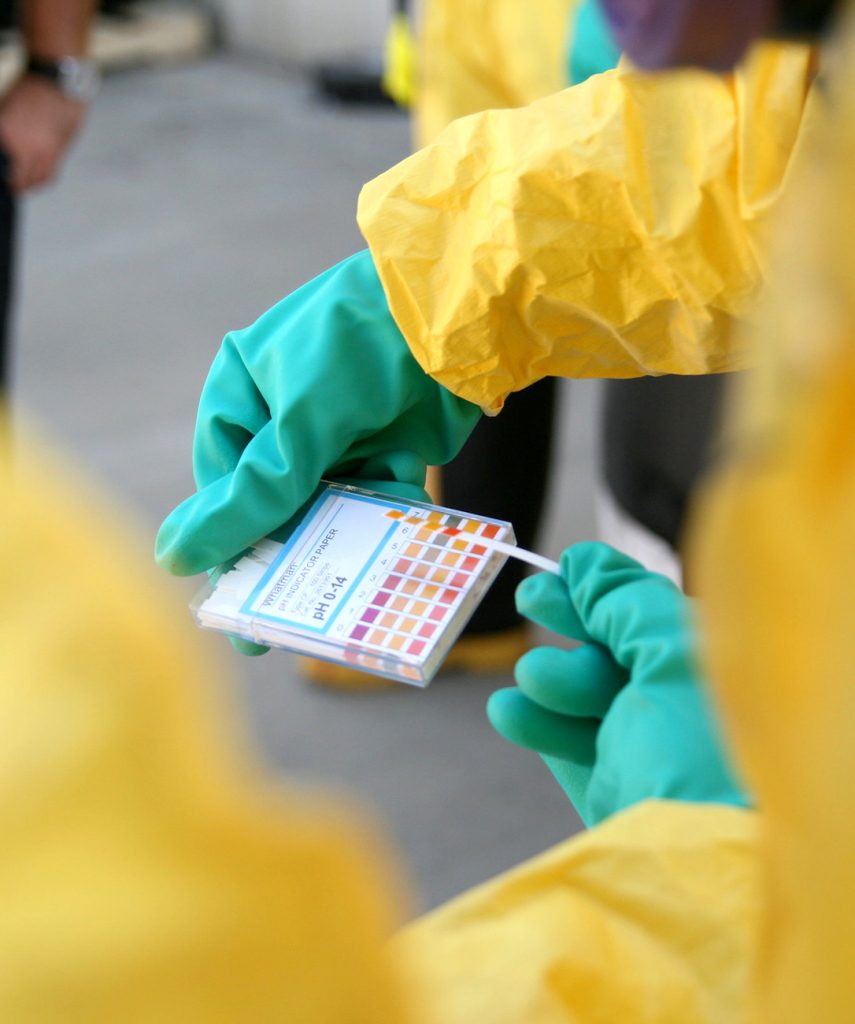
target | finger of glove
x=545, y=599
x=341, y=385
x=247, y=647
x=288, y=352
x=401, y=465
x=640, y=616
x=521, y=721
x=231, y=412
x=575, y=780
x=315, y=425
x=276, y=472
x=668, y=748
x=237, y=510
x=329, y=369
x=582, y=682
x=391, y=488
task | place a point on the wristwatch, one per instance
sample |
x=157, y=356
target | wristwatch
x=75, y=77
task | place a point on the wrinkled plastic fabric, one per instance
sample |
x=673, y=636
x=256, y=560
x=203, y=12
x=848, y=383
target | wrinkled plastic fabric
x=648, y=918
x=774, y=556
x=613, y=230
x=475, y=55
x=148, y=870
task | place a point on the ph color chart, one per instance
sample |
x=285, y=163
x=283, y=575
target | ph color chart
x=365, y=580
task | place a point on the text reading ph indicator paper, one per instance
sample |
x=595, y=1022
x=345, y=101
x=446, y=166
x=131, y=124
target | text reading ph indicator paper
x=364, y=580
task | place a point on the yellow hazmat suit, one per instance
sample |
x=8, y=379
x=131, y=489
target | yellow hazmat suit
x=615, y=229
x=533, y=246
x=145, y=878
x=775, y=546
x=474, y=55
x=147, y=872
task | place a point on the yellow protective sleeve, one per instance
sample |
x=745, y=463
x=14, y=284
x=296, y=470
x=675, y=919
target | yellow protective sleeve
x=613, y=230
x=148, y=872
x=474, y=55
x=648, y=918
x=774, y=558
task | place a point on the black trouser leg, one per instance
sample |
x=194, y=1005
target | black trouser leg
x=658, y=438
x=503, y=472
x=7, y=248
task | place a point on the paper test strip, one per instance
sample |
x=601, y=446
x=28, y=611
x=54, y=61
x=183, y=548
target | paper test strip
x=541, y=562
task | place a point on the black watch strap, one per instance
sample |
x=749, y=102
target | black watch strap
x=75, y=77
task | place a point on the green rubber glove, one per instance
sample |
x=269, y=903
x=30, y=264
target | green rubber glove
x=323, y=384
x=592, y=49
x=625, y=717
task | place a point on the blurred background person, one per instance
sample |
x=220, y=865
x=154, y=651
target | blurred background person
x=41, y=113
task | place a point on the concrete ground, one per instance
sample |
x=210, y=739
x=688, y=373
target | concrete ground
x=198, y=197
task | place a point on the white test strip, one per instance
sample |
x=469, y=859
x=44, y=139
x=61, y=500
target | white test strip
x=506, y=549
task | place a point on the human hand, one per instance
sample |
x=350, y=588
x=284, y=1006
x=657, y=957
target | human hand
x=624, y=717
x=37, y=126
x=322, y=385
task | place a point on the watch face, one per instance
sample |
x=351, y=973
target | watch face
x=78, y=79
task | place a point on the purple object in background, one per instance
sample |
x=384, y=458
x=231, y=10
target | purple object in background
x=704, y=33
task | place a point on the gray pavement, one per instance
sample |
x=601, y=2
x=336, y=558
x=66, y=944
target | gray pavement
x=198, y=197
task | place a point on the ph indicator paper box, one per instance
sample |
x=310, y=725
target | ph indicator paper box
x=365, y=580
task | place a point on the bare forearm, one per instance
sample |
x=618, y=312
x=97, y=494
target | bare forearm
x=42, y=112
x=56, y=28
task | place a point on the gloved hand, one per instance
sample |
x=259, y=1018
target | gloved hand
x=323, y=384
x=625, y=717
